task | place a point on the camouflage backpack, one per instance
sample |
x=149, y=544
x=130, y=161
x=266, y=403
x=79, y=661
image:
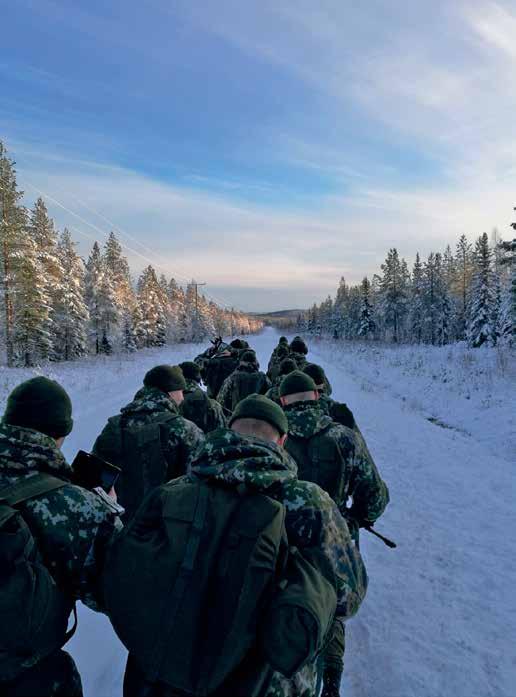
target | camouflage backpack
x=34, y=611
x=139, y=452
x=246, y=384
x=320, y=460
x=212, y=567
x=196, y=407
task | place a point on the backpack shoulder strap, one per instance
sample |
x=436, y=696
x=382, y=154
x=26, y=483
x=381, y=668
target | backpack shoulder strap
x=30, y=488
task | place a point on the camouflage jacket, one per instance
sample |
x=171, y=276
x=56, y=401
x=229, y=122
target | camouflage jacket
x=312, y=519
x=339, y=411
x=273, y=391
x=72, y=526
x=182, y=437
x=197, y=407
x=246, y=380
x=336, y=458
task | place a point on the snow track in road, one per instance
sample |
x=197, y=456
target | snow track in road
x=439, y=619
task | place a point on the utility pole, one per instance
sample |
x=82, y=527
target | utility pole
x=197, y=305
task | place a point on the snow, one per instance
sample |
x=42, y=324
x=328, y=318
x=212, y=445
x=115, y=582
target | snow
x=440, y=615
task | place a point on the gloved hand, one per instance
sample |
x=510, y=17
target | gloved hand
x=331, y=682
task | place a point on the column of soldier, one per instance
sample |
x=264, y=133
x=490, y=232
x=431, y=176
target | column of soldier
x=212, y=527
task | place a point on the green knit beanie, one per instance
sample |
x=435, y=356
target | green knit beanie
x=298, y=345
x=248, y=356
x=257, y=406
x=40, y=404
x=287, y=365
x=316, y=372
x=167, y=378
x=191, y=371
x=283, y=340
x=295, y=382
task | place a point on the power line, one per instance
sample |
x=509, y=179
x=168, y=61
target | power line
x=185, y=279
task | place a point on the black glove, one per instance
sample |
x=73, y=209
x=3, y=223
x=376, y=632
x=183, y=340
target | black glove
x=331, y=682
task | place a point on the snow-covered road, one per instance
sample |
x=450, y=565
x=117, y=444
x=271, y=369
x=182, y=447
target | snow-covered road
x=440, y=616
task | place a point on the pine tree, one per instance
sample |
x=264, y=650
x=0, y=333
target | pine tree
x=31, y=337
x=12, y=236
x=151, y=325
x=44, y=236
x=464, y=272
x=93, y=281
x=367, y=324
x=480, y=329
x=117, y=268
x=71, y=313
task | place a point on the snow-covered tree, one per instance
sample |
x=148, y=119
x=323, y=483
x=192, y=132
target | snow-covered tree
x=367, y=325
x=151, y=324
x=71, y=313
x=506, y=329
x=464, y=273
x=480, y=329
x=12, y=239
x=394, y=294
x=416, y=312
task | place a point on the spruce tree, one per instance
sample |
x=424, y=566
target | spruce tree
x=416, y=314
x=93, y=280
x=480, y=328
x=71, y=312
x=367, y=324
x=464, y=272
x=393, y=294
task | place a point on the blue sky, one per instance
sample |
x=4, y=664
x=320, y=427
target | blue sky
x=265, y=148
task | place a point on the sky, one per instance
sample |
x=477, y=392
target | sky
x=265, y=148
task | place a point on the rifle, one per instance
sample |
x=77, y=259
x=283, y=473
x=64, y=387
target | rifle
x=385, y=540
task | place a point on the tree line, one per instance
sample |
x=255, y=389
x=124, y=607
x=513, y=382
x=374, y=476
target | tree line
x=56, y=306
x=467, y=294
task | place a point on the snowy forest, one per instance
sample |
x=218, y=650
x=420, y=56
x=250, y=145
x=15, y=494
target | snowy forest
x=466, y=294
x=57, y=306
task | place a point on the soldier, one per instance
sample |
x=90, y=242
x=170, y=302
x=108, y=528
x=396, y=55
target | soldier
x=218, y=367
x=205, y=413
x=280, y=352
x=72, y=528
x=247, y=379
x=149, y=440
x=298, y=351
x=336, y=458
x=287, y=366
x=338, y=411
x=251, y=454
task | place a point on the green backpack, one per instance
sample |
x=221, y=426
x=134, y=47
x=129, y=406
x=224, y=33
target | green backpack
x=190, y=588
x=139, y=452
x=245, y=385
x=196, y=408
x=34, y=611
x=320, y=460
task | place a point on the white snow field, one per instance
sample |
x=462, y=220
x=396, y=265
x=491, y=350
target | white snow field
x=439, y=619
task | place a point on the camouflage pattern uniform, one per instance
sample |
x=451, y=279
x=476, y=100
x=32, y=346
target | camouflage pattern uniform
x=72, y=528
x=180, y=438
x=350, y=473
x=280, y=352
x=312, y=519
x=246, y=380
x=205, y=413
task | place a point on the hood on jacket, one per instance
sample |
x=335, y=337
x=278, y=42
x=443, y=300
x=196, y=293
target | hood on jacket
x=24, y=451
x=149, y=400
x=233, y=459
x=306, y=419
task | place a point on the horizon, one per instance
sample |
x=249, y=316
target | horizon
x=264, y=150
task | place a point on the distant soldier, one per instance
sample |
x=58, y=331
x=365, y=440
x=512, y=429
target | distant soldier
x=218, y=364
x=53, y=541
x=288, y=365
x=205, y=413
x=338, y=411
x=247, y=379
x=247, y=461
x=280, y=352
x=335, y=458
x=149, y=440
x=298, y=351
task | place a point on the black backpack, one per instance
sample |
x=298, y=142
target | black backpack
x=245, y=384
x=34, y=611
x=202, y=579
